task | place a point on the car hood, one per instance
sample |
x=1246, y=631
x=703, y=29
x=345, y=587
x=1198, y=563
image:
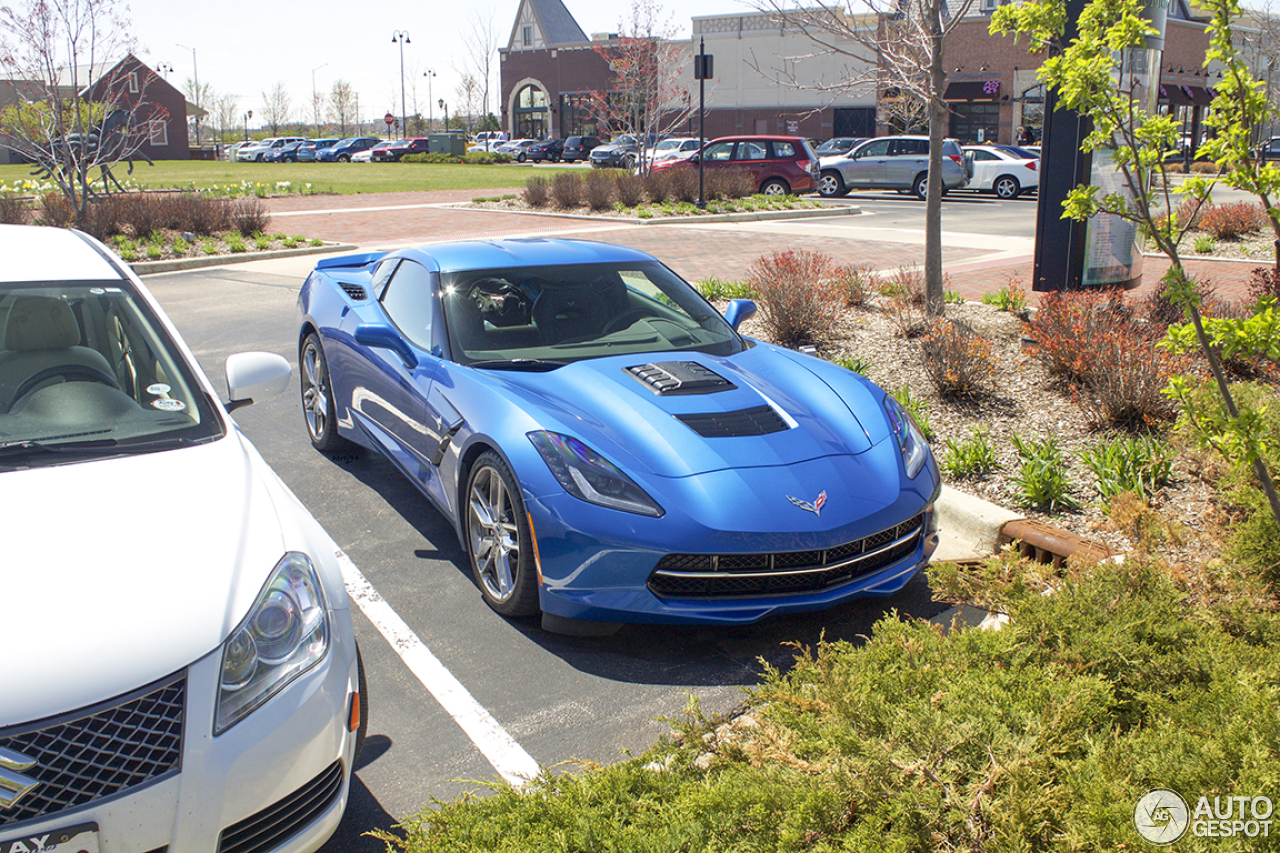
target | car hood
x=119, y=572
x=604, y=404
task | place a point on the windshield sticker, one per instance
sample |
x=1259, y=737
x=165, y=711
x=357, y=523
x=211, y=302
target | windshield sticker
x=158, y=389
x=168, y=405
x=97, y=291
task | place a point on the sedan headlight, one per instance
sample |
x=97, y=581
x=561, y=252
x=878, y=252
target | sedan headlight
x=915, y=450
x=285, y=634
x=588, y=476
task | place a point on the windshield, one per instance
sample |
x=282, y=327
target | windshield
x=559, y=314
x=85, y=368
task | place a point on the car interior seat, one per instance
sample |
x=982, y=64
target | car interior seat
x=40, y=335
x=578, y=310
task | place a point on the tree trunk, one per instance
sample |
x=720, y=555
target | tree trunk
x=937, y=132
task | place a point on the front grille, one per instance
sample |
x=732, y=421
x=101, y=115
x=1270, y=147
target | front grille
x=99, y=751
x=758, y=420
x=785, y=572
x=279, y=822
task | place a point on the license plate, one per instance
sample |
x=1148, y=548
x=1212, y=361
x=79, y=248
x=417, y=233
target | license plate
x=72, y=839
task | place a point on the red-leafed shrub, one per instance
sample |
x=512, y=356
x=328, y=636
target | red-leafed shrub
x=799, y=302
x=1229, y=221
x=958, y=360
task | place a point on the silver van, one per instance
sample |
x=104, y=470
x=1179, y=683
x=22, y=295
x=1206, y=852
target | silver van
x=891, y=163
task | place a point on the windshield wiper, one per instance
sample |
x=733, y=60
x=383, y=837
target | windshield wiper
x=90, y=447
x=535, y=365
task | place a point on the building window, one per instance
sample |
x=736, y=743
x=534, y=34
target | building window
x=532, y=118
x=133, y=82
x=576, y=116
x=975, y=121
x=526, y=35
x=158, y=134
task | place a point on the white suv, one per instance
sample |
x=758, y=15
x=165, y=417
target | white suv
x=256, y=151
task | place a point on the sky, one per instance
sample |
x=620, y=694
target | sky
x=247, y=49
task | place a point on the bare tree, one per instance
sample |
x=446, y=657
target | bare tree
x=201, y=96
x=319, y=102
x=901, y=47
x=468, y=98
x=650, y=68
x=276, y=108
x=226, y=113
x=480, y=41
x=81, y=98
x=342, y=105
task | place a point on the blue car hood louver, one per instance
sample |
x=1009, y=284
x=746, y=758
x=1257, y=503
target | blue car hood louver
x=680, y=377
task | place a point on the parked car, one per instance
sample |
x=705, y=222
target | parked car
x=578, y=148
x=839, y=145
x=258, y=152
x=234, y=147
x=393, y=151
x=779, y=164
x=343, y=150
x=364, y=156
x=189, y=671
x=674, y=148
x=517, y=149
x=548, y=149
x=892, y=163
x=287, y=153
x=489, y=140
x=623, y=151
x=605, y=445
x=998, y=169
x=308, y=149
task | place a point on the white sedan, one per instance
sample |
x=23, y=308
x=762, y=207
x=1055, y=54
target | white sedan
x=180, y=671
x=1003, y=170
x=673, y=148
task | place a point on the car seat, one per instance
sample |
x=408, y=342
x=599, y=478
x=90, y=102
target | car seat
x=41, y=334
x=578, y=311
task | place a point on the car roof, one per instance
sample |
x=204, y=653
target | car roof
x=46, y=253
x=520, y=253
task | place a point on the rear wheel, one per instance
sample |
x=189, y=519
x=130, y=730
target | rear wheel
x=498, y=541
x=920, y=189
x=628, y=162
x=520, y=158
x=344, y=158
x=775, y=186
x=830, y=184
x=1006, y=187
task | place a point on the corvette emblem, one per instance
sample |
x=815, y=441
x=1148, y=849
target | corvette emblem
x=815, y=507
x=14, y=786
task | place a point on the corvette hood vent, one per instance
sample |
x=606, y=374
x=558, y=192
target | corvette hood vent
x=680, y=377
x=758, y=420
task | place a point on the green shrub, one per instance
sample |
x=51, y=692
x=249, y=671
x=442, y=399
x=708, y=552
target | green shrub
x=1140, y=465
x=856, y=284
x=1011, y=298
x=974, y=456
x=718, y=289
x=859, y=364
x=1204, y=245
x=262, y=241
x=180, y=246
x=1041, y=480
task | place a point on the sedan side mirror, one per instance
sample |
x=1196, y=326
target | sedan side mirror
x=255, y=376
x=738, y=311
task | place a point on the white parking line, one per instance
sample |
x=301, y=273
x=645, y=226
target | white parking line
x=507, y=757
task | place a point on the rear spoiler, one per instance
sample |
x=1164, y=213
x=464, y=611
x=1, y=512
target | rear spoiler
x=351, y=261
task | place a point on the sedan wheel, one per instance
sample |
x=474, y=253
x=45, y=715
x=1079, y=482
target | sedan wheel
x=1007, y=187
x=317, y=398
x=520, y=158
x=775, y=186
x=498, y=540
x=831, y=185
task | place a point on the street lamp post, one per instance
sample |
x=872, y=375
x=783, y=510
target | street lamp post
x=248, y=115
x=401, y=36
x=315, y=95
x=429, y=74
x=195, y=78
x=165, y=68
x=445, y=107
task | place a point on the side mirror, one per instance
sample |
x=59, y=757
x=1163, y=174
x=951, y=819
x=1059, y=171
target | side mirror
x=255, y=376
x=385, y=337
x=738, y=311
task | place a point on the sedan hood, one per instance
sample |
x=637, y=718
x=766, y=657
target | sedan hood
x=771, y=409
x=119, y=572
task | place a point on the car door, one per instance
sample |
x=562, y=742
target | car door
x=985, y=164
x=752, y=155
x=865, y=168
x=907, y=158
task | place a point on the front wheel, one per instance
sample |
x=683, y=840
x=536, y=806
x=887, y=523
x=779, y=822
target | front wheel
x=317, y=398
x=920, y=189
x=1007, y=187
x=498, y=541
x=775, y=186
x=831, y=185
x=520, y=158
x=344, y=158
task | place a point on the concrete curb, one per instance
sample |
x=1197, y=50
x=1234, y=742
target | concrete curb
x=183, y=264
x=711, y=218
x=971, y=525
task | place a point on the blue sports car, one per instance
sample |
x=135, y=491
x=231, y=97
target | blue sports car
x=607, y=446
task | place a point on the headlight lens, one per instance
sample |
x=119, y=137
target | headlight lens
x=285, y=634
x=915, y=450
x=588, y=476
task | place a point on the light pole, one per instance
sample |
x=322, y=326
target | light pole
x=445, y=107
x=315, y=95
x=401, y=36
x=429, y=74
x=195, y=77
x=166, y=69
x=248, y=115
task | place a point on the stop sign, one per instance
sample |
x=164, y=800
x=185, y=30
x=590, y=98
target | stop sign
x=389, y=119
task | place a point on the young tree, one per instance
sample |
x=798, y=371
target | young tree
x=650, y=69
x=226, y=112
x=900, y=47
x=480, y=40
x=1096, y=77
x=82, y=99
x=342, y=105
x=276, y=108
x=469, y=98
x=202, y=96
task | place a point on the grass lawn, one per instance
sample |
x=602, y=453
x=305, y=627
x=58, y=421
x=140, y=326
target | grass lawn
x=340, y=178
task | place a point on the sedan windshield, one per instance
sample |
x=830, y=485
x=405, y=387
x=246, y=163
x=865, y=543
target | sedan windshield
x=553, y=315
x=86, y=369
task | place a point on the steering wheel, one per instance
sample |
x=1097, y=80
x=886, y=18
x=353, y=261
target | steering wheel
x=496, y=292
x=625, y=319
x=69, y=373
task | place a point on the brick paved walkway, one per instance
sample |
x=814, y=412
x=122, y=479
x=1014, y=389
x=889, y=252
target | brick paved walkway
x=695, y=251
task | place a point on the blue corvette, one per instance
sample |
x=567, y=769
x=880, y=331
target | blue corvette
x=606, y=445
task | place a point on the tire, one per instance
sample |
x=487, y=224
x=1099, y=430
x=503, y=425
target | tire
x=318, y=408
x=261, y=157
x=628, y=162
x=520, y=158
x=920, y=187
x=831, y=185
x=362, y=685
x=775, y=186
x=499, y=546
x=1006, y=187
x=344, y=158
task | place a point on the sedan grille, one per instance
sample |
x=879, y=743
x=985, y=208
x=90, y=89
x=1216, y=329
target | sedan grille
x=100, y=751
x=277, y=823
x=785, y=572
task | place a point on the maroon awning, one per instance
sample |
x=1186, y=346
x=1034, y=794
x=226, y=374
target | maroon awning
x=973, y=90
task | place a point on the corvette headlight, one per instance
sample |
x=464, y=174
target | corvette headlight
x=285, y=634
x=588, y=476
x=915, y=450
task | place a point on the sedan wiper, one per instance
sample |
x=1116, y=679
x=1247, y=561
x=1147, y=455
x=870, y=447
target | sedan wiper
x=531, y=364
x=90, y=447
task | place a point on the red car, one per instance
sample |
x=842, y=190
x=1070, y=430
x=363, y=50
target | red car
x=780, y=164
x=399, y=148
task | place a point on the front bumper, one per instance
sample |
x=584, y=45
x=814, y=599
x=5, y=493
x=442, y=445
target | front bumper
x=283, y=771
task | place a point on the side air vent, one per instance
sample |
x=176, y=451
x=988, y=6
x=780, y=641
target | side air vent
x=355, y=291
x=759, y=420
x=680, y=377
